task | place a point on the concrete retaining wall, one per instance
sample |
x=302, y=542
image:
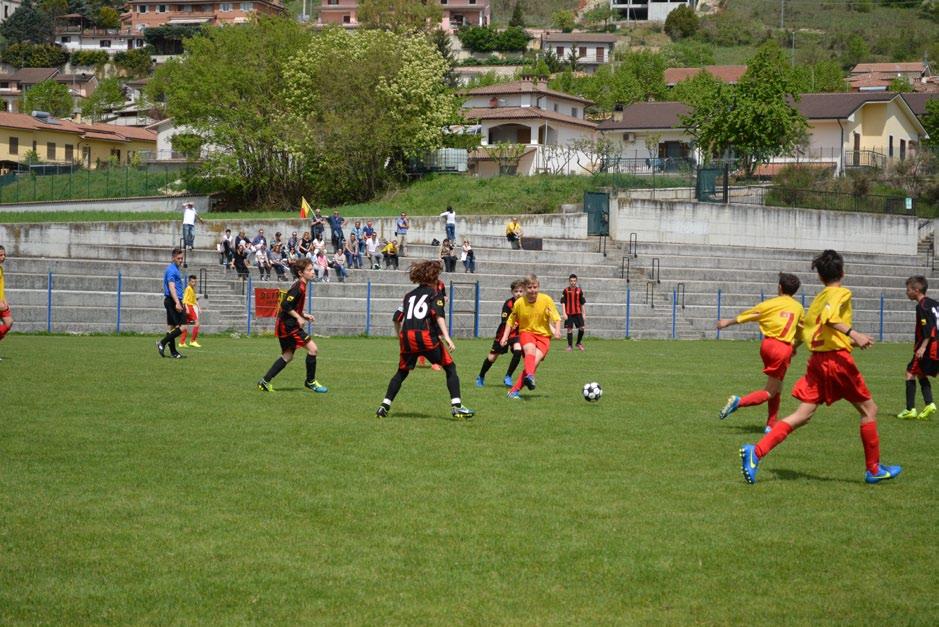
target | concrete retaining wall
x=691, y=222
x=133, y=205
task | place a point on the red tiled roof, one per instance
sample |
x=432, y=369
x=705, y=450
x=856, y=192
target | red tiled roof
x=600, y=38
x=521, y=87
x=33, y=75
x=648, y=115
x=523, y=113
x=724, y=73
x=110, y=132
x=863, y=68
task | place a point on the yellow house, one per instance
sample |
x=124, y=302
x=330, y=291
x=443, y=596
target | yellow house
x=63, y=141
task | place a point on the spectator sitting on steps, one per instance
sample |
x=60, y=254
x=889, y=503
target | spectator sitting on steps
x=321, y=265
x=447, y=256
x=513, y=233
x=338, y=264
x=374, y=255
x=468, y=257
x=263, y=262
x=353, y=256
x=390, y=252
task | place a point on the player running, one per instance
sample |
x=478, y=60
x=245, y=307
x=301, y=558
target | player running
x=289, y=330
x=925, y=361
x=572, y=311
x=518, y=289
x=538, y=319
x=420, y=323
x=780, y=320
x=830, y=375
x=6, y=315
x=191, y=303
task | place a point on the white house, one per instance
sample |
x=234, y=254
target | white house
x=73, y=34
x=590, y=49
x=9, y=7
x=649, y=136
x=649, y=10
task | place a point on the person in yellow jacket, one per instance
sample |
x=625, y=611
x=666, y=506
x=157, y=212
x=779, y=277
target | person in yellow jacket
x=390, y=254
x=191, y=303
x=513, y=233
x=780, y=320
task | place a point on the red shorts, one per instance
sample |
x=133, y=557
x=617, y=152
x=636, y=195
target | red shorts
x=192, y=315
x=541, y=342
x=921, y=368
x=776, y=355
x=437, y=355
x=829, y=377
x=6, y=313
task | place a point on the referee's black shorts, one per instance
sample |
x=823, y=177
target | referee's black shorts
x=173, y=318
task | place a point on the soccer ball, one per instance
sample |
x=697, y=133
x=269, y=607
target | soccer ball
x=592, y=392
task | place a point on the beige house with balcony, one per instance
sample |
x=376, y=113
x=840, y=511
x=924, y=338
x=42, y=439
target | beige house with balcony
x=455, y=13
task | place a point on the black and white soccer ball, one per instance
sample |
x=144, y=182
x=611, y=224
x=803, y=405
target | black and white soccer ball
x=592, y=392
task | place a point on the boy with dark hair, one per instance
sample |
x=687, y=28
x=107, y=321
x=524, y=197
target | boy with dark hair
x=172, y=303
x=780, y=320
x=421, y=324
x=518, y=289
x=572, y=311
x=925, y=361
x=6, y=316
x=830, y=375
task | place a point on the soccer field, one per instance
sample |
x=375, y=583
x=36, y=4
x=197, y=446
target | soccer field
x=135, y=489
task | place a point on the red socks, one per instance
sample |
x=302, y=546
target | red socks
x=871, y=442
x=774, y=438
x=529, y=364
x=195, y=334
x=4, y=329
x=182, y=336
x=754, y=398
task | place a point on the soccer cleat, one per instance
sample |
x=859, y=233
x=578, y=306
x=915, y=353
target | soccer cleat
x=529, y=381
x=160, y=349
x=381, y=412
x=749, y=462
x=181, y=345
x=514, y=396
x=910, y=414
x=507, y=380
x=316, y=386
x=928, y=411
x=178, y=356
x=569, y=349
x=459, y=411
x=580, y=347
x=480, y=382
x=883, y=473
x=264, y=386
x=435, y=367
x=195, y=345
x=733, y=402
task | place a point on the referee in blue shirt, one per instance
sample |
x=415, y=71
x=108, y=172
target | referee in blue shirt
x=173, y=303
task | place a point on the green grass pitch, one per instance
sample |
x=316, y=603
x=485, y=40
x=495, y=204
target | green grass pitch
x=141, y=490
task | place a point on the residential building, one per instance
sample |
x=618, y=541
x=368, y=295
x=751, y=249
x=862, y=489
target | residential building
x=530, y=114
x=730, y=74
x=879, y=76
x=143, y=14
x=63, y=141
x=591, y=50
x=80, y=85
x=455, y=13
x=650, y=136
x=73, y=32
x=648, y=10
x=9, y=7
x=14, y=86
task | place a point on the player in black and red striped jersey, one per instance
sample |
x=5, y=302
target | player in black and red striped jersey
x=442, y=293
x=925, y=361
x=518, y=290
x=421, y=325
x=572, y=311
x=289, y=330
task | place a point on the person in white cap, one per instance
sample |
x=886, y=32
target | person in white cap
x=190, y=215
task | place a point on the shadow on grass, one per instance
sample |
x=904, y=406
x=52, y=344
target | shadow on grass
x=748, y=429
x=784, y=474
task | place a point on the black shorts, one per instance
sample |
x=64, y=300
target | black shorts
x=574, y=320
x=498, y=349
x=173, y=318
x=292, y=339
x=437, y=355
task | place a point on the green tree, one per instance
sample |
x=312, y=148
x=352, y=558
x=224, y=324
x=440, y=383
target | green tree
x=688, y=53
x=900, y=84
x=34, y=55
x=361, y=104
x=48, y=96
x=752, y=120
x=821, y=77
x=135, y=63
x=518, y=17
x=108, y=17
x=855, y=51
x=400, y=16
x=681, y=23
x=699, y=88
x=230, y=88
x=563, y=20
x=599, y=16
x=441, y=41
x=27, y=24
x=931, y=121
x=108, y=96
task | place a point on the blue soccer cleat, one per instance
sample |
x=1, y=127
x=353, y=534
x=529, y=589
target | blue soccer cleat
x=529, y=381
x=513, y=396
x=316, y=386
x=507, y=381
x=883, y=473
x=480, y=382
x=749, y=462
x=733, y=402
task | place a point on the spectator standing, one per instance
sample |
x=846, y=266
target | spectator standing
x=468, y=257
x=513, y=233
x=190, y=215
x=317, y=225
x=336, y=222
x=390, y=252
x=402, y=224
x=447, y=256
x=450, y=216
x=292, y=245
x=374, y=255
x=226, y=249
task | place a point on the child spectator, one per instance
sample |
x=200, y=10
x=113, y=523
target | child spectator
x=321, y=265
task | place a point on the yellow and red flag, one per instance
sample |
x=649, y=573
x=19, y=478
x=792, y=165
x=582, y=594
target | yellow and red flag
x=305, y=209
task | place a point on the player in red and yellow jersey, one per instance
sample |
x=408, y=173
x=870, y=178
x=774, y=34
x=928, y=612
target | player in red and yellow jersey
x=6, y=316
x=831, y=374
x=780, y=320
x=538, y=320
x=191, y=303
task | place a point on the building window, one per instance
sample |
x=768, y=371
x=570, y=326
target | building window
x=582, y=51
x=575, y=112
x=14, y=145
x=332, y=2
x=140, y=43
x=141, y=8
x=69, y=153
x=559, y=50
x=226, y=7
x=66, y=39
x=86, y=155
x=161, y=8
x=600, y=52
x=346, y=19
x=902, y=149
x=50, y=150
x=472, y=1
x=247, y=7
x=6, y=11
x=890, y=147
x=555, y=107
x=187, y=8
x=105, y=43
x=116, y=153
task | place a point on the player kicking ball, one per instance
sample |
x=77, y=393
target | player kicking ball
x=421, y=324
x=518, y=290
x=538, y=320
x=780, y=320
x=925, y=361
x=830, y=375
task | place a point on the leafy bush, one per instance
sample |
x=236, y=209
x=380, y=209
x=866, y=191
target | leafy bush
x=136, y=62
x=681, y=23
x=488, y=39
x=22, y=55
x=89, y=57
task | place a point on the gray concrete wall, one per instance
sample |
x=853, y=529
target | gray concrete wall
x=133, y=205
x=689, y=222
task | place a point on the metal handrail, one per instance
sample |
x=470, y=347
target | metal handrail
x=656, y=270
x=624, y=269
x=680, y=288
x=650, y=293
x=633, y=245
x=203, y=281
